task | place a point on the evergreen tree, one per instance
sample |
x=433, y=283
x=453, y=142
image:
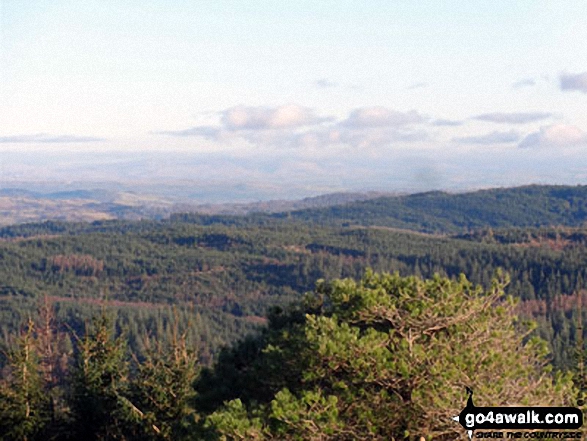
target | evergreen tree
x=389, y=358
x=24, y=407
x=99, y=408
x=162, y=391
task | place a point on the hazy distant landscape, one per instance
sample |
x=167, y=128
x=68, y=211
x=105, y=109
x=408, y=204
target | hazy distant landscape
x=49, y=201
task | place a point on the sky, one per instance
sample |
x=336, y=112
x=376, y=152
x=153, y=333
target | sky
x=296, y=97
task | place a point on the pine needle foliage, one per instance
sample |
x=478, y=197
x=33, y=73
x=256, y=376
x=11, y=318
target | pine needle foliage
x=388, y=358
x=24, y=407
x=99, y=385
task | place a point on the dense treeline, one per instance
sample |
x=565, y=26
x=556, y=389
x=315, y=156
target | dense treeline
x=382, y=358
x=95, y=388
x=226, y=271
x=229, y=274
x=529, y=206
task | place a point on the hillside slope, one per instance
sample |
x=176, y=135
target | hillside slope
x=439, y=212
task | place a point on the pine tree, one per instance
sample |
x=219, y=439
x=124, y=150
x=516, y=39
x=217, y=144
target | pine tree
x=99, y=384
x=388, y=358
x=162, y=391
x=24, y=407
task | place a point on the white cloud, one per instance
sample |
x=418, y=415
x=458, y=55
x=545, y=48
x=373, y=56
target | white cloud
x=297, y=126
x=378, y=116
x=558, y=135
x=263, y=118
x=381, y=137
x=321, y=138
x=574, y=82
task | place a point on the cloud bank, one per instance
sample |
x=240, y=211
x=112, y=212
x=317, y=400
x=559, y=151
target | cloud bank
x=378, y=116
x=297, y=126
x=417, y=86
x=263, y=118
x=574, y=82
x=374, y=127
x=558, y=135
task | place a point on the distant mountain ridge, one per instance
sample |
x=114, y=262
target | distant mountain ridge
x=278, y=206
x=20, y=205
x=96, y=194
x=430, y=212
x=440, y=212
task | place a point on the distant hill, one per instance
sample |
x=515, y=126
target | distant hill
x=223, y=272
x=440, y=212
x=430, y=212
x=94, y=194
x=20, y=205
x=278, y=206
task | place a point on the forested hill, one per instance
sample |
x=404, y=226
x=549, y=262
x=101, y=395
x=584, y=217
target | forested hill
x=439, y=212
x=431, y=212
x=223, y=273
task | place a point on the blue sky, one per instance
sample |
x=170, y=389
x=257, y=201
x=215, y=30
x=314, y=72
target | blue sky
x=319, y=96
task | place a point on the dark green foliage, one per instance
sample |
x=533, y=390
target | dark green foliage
x=99, y=385
x=246, y=371
x=222, y=273
x=150, y=400
x=24, y=407
x=436, y=211
x=226, y=272
x=103, y=397
x=162, y=391
x=386, y=358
